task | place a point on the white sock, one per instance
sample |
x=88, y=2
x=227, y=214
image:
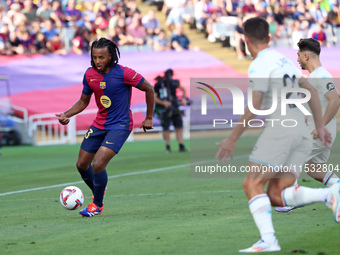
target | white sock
x=296, y=196
x=261, y=210
x=330, y=179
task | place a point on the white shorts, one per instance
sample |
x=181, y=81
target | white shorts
x=320, y=153
x=279, y=148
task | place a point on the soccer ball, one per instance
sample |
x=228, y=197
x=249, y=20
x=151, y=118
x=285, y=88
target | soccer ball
x=72, y=197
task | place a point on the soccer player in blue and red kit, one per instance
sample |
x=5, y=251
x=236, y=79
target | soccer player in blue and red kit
x=111, y=85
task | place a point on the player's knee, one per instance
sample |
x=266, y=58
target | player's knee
x=98, y=166
x=81, y=166
x=249, y=184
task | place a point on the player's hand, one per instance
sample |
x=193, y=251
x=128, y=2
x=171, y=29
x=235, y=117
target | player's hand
x=62, y=118
x=227, y=147
x=184, y=101
x=325, y=136
x=147, y=124
x=315, y=134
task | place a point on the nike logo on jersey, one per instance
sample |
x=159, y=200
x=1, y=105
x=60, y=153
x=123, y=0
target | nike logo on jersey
x=93, y=79
x=107, y=142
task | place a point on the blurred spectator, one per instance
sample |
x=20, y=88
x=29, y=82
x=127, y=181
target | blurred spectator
x=45, y=12
x=232, y=7
x=102, y=27
x=57, y=10
x=29, y=10
x=123, y=37
x=261, y=8
x=297, y=34
x=4, y=31
x=273, y=29
x=81, y=43
x=179, y=41
x=279, y=16
x=40, y=44
x=13, y=44
x=130, y=8
x=2, y=45
x=137, y=31
x=89, y=14
x=35, y=27
x=324, y=5
x=203, y=15
x=174, y=10
x=151, y=23
x=320, y=35
x=219, y=8
x=248, y=7
x=103, y=12
x=161, y=43
x=334, y=16
x=56, y=46
x=27, y=42
x=15, y=17
x=72, y=15
x=3, y=16
x=319, y=16
x=239, y=38
x=48, y=30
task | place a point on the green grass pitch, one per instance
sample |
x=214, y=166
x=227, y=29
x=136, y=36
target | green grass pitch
x=152, y=206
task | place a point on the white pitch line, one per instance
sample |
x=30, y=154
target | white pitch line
x=112, y=176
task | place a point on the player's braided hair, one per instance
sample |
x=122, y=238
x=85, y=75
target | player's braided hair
x=112, y=48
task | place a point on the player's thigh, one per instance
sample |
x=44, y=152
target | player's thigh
x=286, y=176
x=102, y=158
x=319, y=154
x=274, y=148
x=298, y=154
x=93, y=139
x=115, y=139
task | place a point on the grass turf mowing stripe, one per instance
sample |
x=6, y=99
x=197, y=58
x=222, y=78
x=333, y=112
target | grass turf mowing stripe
x=113, y=176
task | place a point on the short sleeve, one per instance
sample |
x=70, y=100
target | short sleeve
x=131, y=77
x=326, y=85
x=86, y=88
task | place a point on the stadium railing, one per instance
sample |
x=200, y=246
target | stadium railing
x=45, y=129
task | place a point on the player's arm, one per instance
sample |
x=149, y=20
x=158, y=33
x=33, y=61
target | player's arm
x=331, y=110
x=314, y=104
x=77, y=107
x=332, y=107
x=227, y=145
x=150, y=101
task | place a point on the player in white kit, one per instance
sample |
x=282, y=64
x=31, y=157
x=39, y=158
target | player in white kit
x=321, y=79
x=279, y=146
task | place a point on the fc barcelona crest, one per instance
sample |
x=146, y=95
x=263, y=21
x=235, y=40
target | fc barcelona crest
x=102, y=85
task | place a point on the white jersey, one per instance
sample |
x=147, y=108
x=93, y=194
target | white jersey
x=286, y=146
x=322, y=80
x=273, y=71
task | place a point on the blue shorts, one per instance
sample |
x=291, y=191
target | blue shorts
x=112, y=139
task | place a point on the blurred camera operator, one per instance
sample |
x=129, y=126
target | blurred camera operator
x=167, y=107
